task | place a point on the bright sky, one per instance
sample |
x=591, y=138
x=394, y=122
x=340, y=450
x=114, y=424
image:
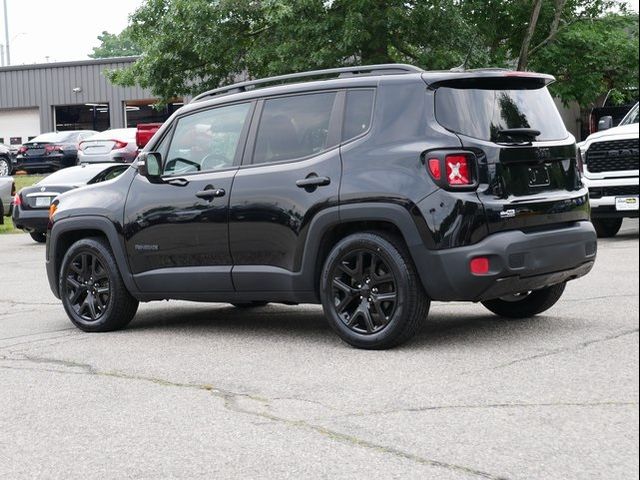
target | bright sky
x=60, y=30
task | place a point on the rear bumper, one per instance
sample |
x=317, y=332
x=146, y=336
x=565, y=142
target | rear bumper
x=49, y=161
x=30, y=220
x=518, y=262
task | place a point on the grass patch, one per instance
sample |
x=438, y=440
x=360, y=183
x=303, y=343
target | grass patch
x=21, y=182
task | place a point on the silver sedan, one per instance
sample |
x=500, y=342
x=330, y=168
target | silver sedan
x=117, y=145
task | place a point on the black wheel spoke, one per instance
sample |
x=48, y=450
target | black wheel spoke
x=364, y=291
x=87, y=287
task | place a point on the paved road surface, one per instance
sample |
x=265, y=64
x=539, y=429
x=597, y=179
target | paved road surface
x=207, y=391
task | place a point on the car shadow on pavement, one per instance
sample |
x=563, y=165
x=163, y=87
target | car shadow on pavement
x=308, y=323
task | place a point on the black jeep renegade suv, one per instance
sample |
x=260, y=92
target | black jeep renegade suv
x=372, y=193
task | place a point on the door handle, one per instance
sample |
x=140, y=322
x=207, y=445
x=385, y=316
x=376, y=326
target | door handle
x=313, y=181
x=211, y=193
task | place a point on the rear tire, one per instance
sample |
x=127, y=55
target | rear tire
x=529, y=305
x=607, y=227
x=91, y=288
x=39, y=237
x=5, y=167
x=371, y=293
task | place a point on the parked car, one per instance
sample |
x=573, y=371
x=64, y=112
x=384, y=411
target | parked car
x=31, y=204
x=144, y=133
x=610, y=165
x=7, y=191
x=51, y=151
x=373, y=193
x=117, y=145
x=6, y=161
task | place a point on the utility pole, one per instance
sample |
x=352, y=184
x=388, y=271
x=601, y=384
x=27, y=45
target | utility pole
x=6, y=32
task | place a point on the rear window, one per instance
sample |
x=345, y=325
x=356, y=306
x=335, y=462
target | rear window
x=293, y=127
x=73, y=175
x=53, y=137
x=482, y=113
x=357, y=116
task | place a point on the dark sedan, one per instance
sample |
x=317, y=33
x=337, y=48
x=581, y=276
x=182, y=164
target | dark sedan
x=31, y=204
x=51, y=151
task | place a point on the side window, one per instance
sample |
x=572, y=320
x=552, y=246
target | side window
x=357, y=116
x=293, y=127
x=206, y=141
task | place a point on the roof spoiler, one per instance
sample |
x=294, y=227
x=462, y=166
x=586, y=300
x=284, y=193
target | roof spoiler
x=487, y=78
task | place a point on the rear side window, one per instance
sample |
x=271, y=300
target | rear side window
x=293, y=127
x=357, y=116
x=483, y=113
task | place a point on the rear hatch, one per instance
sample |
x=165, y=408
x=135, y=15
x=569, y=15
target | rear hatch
x=527, y=166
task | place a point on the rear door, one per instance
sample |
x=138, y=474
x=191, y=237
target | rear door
x=291, y=171
x=527, y=159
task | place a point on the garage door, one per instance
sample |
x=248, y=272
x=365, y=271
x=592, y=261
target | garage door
x=17, y=126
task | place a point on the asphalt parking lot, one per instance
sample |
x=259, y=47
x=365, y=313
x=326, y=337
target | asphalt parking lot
x=208, y=391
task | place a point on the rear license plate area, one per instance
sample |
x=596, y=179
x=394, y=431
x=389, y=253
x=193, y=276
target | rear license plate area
x=539, y=176
x=43, y=202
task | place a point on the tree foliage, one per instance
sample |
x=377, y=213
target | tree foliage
x=121, y=45
x=191, y=45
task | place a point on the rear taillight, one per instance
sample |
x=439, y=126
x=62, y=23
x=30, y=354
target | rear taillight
x=52, y=148
x=434, y=168
x=453, y=169
x=458, y=170
x=118, y=145
x=22, y=149
x=17, y=201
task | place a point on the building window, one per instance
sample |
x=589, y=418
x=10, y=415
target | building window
x=88, y=116
x=143, y=111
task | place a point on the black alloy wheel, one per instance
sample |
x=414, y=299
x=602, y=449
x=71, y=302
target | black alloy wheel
x=88, y=287
x=364, y=291
x=91, y=288
x=370, y=290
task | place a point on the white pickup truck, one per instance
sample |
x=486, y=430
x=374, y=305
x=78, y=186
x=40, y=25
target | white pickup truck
x=610, y=163
x=7, y=191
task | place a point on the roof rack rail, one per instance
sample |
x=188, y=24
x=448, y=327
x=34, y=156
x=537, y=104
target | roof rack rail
x=382, y=69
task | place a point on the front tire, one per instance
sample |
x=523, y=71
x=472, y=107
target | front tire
x=91, y=288
x=527, y=304
x=371, y=293
x=607, y=227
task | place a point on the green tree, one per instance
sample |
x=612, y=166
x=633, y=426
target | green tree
x=192, y=45
x=121, y=45
x=591, y=58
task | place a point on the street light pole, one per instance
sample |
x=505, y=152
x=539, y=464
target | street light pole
x=6, y=32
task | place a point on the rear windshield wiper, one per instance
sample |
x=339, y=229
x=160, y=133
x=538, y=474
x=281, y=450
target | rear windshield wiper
x=525, y=133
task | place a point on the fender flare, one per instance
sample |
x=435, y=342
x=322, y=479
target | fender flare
x=87, y=222
x=393, y=213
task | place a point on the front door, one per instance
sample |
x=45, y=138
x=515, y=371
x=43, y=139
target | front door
x=177, y=231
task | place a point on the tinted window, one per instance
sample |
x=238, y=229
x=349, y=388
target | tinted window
x=357, y=116
x=293, y=127
x=206, y=141
x=483, y=113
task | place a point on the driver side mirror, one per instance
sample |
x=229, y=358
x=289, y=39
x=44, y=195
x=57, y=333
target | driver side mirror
x=150, y=166
x=605, y=123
